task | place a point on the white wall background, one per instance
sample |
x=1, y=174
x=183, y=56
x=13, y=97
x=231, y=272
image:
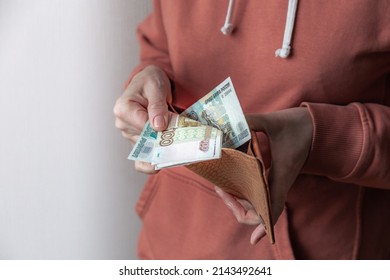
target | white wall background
x=67, y=190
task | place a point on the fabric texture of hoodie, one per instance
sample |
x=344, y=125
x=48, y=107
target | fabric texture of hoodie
x=338, y=67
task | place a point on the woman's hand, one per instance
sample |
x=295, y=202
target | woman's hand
x=289, y=133
x=244, y=212
x=145, y=98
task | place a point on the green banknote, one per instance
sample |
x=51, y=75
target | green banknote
x=221, y=109
x=143, y=149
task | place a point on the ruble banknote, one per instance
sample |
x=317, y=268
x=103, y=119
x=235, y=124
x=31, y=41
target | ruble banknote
x=143, y=149
x=184, y=141
x=221, y=109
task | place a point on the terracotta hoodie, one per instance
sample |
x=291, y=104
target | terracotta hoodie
x=338, y=67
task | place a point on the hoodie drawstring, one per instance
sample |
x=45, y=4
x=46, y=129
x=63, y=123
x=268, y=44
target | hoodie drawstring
x=285, y=50
x=227, y=28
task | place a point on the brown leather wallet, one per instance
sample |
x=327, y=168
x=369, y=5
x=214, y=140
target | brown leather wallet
x=243, y=175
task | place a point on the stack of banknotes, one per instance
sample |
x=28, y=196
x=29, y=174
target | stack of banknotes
x=214, y=122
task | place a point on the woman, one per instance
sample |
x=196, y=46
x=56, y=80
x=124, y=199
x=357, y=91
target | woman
x=323, y=103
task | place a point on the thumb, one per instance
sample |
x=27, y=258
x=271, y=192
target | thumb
x=157, y=108
x=158, y=115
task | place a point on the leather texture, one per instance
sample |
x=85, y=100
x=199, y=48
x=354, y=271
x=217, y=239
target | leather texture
x=243, y=175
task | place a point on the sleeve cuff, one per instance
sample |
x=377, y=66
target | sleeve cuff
x=337, y=140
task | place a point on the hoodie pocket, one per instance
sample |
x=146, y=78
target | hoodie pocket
x=146, y=196
x=183, y=218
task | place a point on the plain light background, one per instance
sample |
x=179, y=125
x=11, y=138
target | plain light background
x=67, y=189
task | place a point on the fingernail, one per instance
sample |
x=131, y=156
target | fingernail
x=159, y=122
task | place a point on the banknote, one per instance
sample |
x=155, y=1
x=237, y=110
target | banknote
x=184, y=141
x=143, y=149
x=221, y=109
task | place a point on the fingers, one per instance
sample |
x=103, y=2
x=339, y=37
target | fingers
x=145, y=167
x=244, y=213
x=157, y=91
x=157, y=106
x=257, y=234
x=242, y=209
x=130, y=117
x=144, y=99
x=132, y=137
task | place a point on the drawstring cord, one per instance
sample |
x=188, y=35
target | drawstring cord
x=284, y=51
x=227, y=28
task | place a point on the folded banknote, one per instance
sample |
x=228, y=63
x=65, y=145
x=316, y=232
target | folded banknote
x=184, y=141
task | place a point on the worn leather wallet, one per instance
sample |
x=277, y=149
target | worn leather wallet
x=243, y=175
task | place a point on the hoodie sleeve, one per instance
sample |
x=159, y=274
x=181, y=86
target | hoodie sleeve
x=153, y=43
x=351, y=143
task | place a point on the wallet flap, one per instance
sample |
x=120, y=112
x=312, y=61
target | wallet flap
x=242, y=175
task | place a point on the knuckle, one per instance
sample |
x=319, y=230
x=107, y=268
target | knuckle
x=157, y=105
x=125, y=135
x=157, y=85
x=117, y=110
x=129, y=137
x=240, y=219
x=119, y=124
